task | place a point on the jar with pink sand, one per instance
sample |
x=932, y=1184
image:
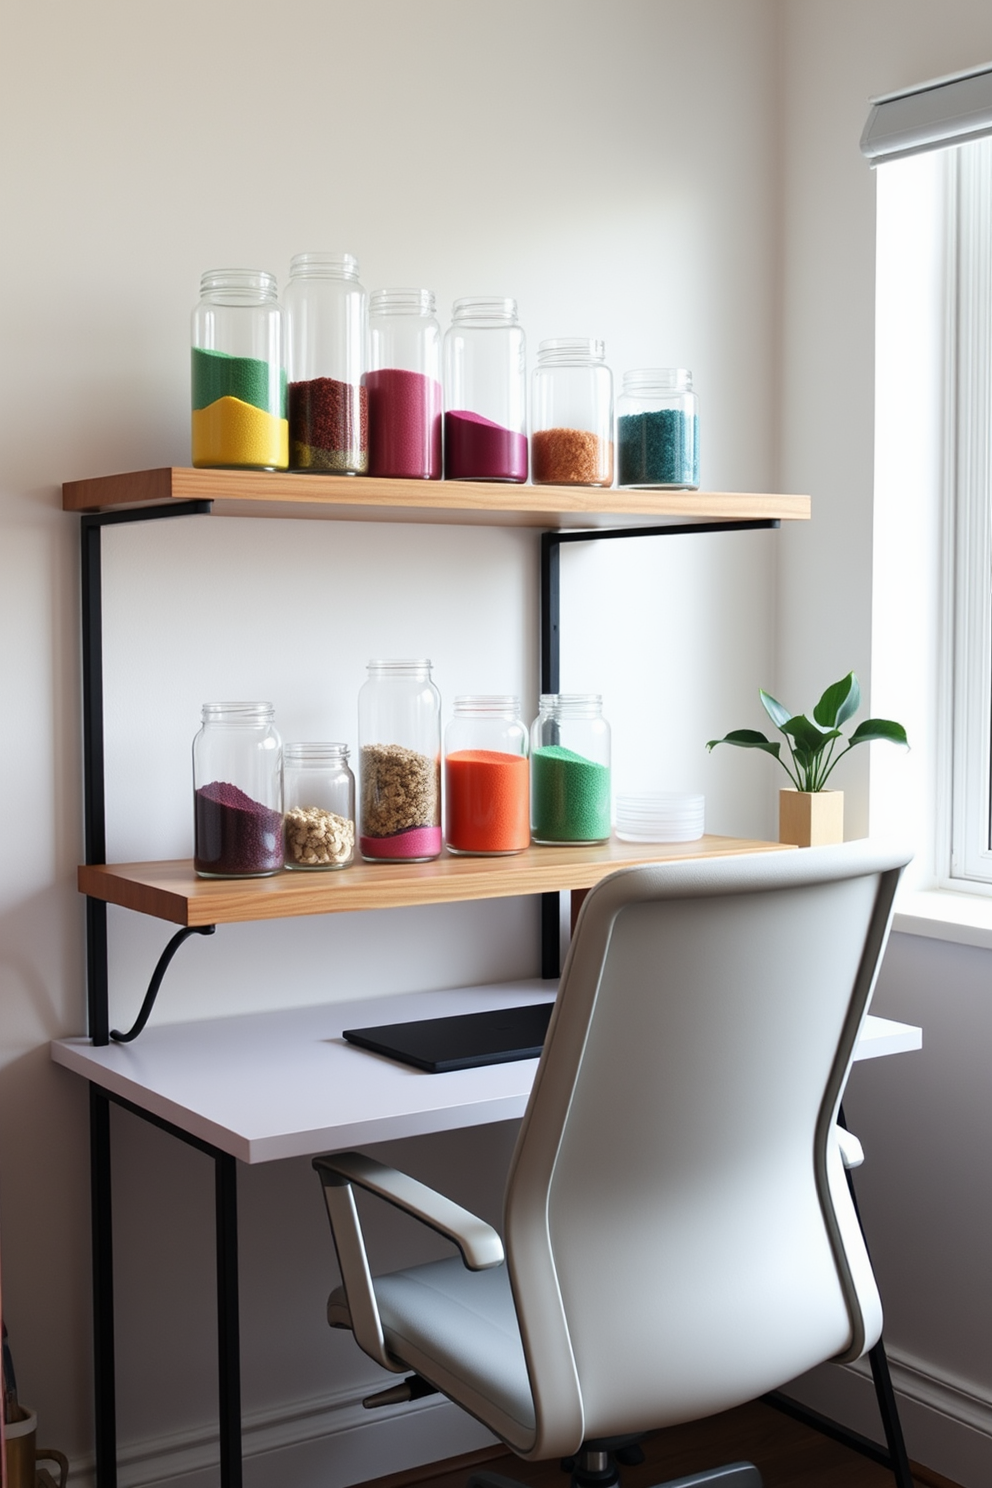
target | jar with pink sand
x=485, y=392
x=399, y=728
x=404, y=385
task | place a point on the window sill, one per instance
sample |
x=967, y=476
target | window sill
x=944, y=914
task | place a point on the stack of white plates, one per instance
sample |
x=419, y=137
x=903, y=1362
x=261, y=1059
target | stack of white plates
x=660, y=816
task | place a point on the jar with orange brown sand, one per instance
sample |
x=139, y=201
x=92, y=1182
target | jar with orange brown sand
x=486, y=777
x=572, y=414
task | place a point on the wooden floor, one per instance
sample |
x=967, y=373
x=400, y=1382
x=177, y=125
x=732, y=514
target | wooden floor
x=788, y=1453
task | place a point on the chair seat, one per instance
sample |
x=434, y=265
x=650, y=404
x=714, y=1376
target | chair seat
x=458, y=1329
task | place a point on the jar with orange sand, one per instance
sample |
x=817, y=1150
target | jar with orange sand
x=486, y=777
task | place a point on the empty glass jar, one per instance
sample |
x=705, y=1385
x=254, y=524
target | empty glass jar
x=326, y=325
x=485, y=392
x=319, y=800
x=237, y=792
x=399, y=726
x=658, y=430
x=570, y=770
x=238, y=381
x=572, y=415
x=404, y=385
x=486, y=777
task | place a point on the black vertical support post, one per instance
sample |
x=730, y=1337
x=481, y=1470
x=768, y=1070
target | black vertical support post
x=228, y=1326
x=94, y=809
x=101, y=1222
x=550, y=682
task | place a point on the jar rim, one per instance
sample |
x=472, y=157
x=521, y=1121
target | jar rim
x=662, y=379
x=401, y=302
x=500, y=309
x=487, y=702
x=238, y=286
x=323, y=266
x=400, y=664
x=238, y=711
x=584, y=704
x=314, y=753
x=576, y=351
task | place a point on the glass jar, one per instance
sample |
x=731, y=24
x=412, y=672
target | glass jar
x=319, y=797
x=485, y=392
x=237, y=792
x=658, y=430
x=570, y=769
x=571, y=441
x=326, y=323
x=404, y=385
x=239, y=385
x=486, y=779
x=399, y=727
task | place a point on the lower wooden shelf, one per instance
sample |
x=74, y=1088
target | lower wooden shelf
x=171, y=891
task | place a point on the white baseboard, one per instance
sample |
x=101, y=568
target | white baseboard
x=946, y=1421
x=330, y=1442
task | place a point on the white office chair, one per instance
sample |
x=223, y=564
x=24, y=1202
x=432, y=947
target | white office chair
x=679, y=1233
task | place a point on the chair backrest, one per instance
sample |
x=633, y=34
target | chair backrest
x=679, y=1231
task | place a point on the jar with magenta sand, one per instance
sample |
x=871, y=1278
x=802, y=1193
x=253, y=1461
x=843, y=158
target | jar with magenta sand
x=404, y=385
x=326, y=328
x=238, y=380
x=319, y=799
x=485, y=392
x=486, y=777
x=658, y=430
x=571, y=441
x=570, y=770
x=237, y=792
x=399, y=727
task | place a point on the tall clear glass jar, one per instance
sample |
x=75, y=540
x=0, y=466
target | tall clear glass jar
x=658, y=430
x=404, y=385
x=326, y=330
x=399, y=728
x=486, y=777
x=570, y=770
x=238, y=380
x=571, y=441
x=319, y=801
x=237, y=792
x=485, y=392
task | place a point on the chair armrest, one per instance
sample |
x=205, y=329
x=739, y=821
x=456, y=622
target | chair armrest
x=479, y=1244
x=851, y=1151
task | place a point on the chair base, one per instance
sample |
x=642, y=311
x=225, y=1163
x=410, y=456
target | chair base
x=732, y=1475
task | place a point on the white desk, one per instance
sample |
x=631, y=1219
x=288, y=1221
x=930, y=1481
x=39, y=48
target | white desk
x=285, y=1084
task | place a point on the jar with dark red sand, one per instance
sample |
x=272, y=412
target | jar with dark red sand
x=326, y=312
x=399, y=727
x=486, y=777
x=571, y=441
x=485, y=392
x=404, y=385
x=237, y=792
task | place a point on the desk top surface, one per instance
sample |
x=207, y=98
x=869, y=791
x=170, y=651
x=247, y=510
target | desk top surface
x=281, y=1084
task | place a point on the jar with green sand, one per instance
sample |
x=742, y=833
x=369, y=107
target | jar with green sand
x=570, y=770
x=238, y=380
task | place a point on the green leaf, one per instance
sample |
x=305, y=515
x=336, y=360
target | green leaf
x=747, y=739
x=808, y=737
x=879, y=728
x=839, y=702
x=775, y=711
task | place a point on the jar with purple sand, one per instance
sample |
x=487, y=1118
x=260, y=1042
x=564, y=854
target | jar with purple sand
x=404, y=385
x=326, y=312
x=399, y=728
x=658, y=430
x=571, y=441
x=485, y=392
x=237, y=792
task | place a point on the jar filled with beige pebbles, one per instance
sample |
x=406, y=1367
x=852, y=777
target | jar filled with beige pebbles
x=399, y=727
x=319, y=803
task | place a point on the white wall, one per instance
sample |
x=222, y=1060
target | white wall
x=554, y=150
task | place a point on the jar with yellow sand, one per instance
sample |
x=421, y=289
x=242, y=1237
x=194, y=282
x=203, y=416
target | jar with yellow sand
x=238, y=378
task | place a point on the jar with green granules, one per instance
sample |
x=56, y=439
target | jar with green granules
x=658, y=430
x=570, y=770
x=238, y=381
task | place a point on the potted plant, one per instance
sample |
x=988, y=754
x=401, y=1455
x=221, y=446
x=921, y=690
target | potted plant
x=809, y=814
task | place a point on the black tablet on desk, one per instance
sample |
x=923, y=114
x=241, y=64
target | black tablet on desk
x=461, y=1041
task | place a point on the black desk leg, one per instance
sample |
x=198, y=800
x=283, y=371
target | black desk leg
x=228, y=1328
x=101, y=1220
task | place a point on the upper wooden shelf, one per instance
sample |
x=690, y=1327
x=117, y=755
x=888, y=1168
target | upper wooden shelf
x=171, y=891
x=259, y=493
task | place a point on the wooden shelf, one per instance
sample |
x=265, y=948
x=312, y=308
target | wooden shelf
x=257, y=493
x=171, y=891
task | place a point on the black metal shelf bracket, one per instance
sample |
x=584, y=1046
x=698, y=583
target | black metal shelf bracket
x=156, y=981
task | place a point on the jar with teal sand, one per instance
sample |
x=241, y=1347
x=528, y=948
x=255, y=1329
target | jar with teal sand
x=570, y=770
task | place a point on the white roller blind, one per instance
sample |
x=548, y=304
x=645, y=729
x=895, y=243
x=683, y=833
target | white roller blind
x=948, y=111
